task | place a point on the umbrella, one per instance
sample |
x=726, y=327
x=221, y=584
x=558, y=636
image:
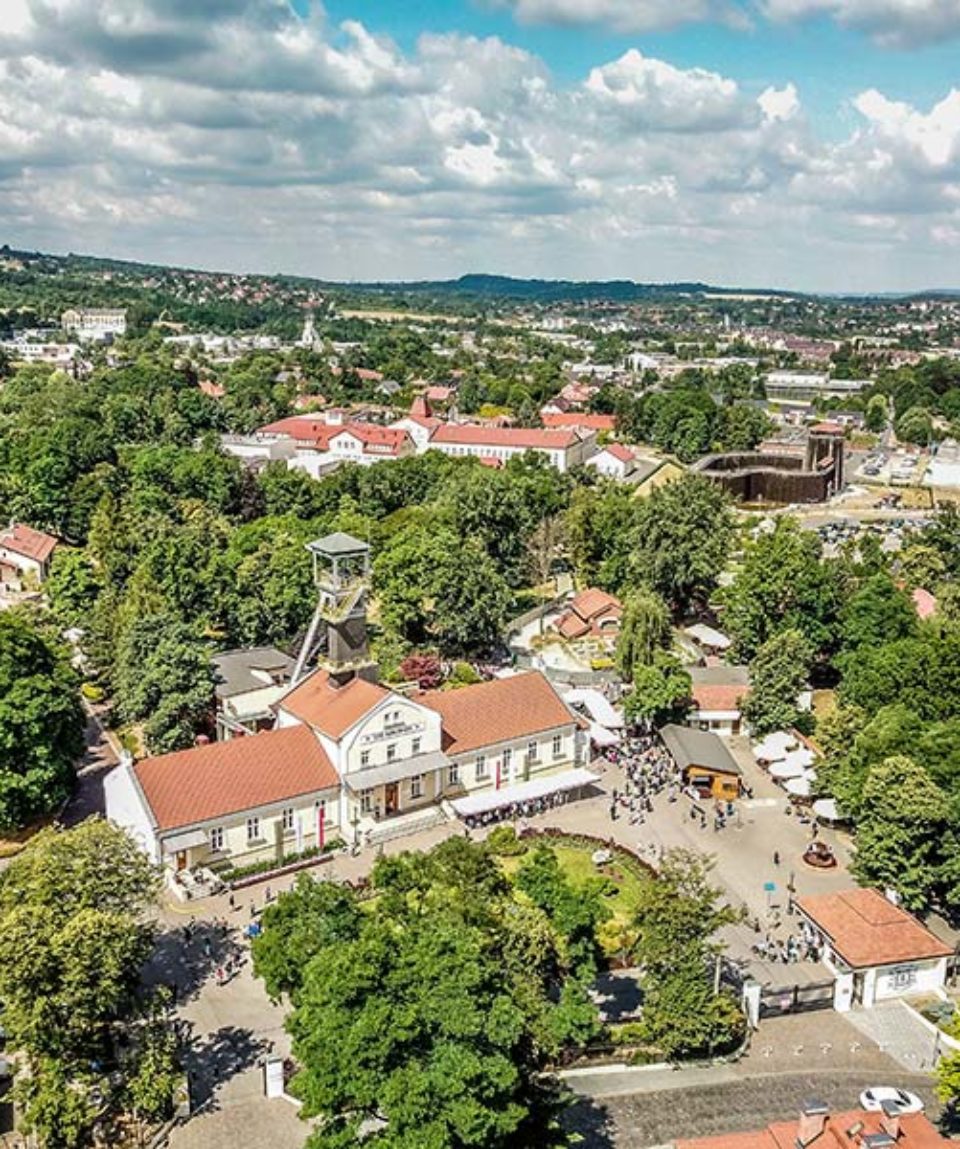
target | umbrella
x=774, y=746
x=783, y=770
x=826, y=808
x=798, y=787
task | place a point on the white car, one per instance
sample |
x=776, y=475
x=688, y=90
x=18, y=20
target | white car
x=873, y=1099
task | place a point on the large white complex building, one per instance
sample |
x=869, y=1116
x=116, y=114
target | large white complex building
x=94, y=323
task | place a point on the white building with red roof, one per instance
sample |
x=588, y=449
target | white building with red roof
x=563, y=447
x=25, y=556
x=876, y=950
x=614, y=461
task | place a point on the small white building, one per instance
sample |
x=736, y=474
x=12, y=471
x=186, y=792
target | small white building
x=875, y=949
x=615, y=461
x=25, y=556
x=564, y=448
x=718, y=693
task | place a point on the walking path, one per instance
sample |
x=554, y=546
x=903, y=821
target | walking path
x=899, y=1034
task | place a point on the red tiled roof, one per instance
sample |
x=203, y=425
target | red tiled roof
x=438, y=394
x=840, y=1132
x=469, y=434
x=867, y=930
x=392, y=439
x=924, y=603
x=501, y=710
x=590, y=422
x=571, y=626
x=592, y=602
x=718, y=696
x=420, y=407
x=31, y=544
x=223, y=778
x=319, y=433
x=621, y=453
x=332, y=709
x=214, y=390
x=827, y=428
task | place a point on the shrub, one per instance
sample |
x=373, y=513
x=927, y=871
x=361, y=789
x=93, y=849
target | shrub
x=502, y=842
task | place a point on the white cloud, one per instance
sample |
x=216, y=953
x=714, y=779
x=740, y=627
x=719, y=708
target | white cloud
x=625, y=15
x=892, y=23
x=262, y=140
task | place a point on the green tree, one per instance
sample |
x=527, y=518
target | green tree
x=778, y=675
x=900, y=831
x=875, y=613
x=683, y=535
x=644, y=631
x=678, y=916
x=921, y=565
x=41, y=722
x=72, y=586
x=877, y=414
x=661, y=691
x=783, y=584
x=914, y=426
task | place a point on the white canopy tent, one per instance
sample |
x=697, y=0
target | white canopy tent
x=597, y=706
x=601, y=736
x=775, y=746
x=523, y=792
x=801, y=787
x=708, y=636
x=826, y=808
x=783, y=770
x=803, y=758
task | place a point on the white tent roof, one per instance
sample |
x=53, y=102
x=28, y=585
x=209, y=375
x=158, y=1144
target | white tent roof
x=707, y=636
x=799, y=787
x=783, y=770
x=597, y=706
x=523, y=791
x=601, y=736
x=826, y=808
x=774, y=746
x=804, y=758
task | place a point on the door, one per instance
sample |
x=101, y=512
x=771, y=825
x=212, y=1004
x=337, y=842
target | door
x=390, y=798
x=181, y=860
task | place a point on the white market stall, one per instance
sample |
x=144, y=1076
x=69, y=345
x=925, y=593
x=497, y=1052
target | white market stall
x=488, y=800
x=775, y=746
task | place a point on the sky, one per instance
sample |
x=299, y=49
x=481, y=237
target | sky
x=804, y=144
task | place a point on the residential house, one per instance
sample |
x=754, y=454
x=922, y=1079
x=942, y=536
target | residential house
x=94, y=323
x=876, y=950
x=592, y=613
x=614, y=461
x=718, y=692
x=25, y=556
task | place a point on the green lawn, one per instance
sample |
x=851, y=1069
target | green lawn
x=579, y=868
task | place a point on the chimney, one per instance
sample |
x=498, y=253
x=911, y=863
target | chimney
x=813, y=1119
x=890, y=1121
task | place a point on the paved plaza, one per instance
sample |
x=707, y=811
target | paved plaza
x=233, y=1027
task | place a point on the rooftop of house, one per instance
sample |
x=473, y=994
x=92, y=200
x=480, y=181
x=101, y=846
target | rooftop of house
x=924, y=603
x=619, y=452
x=580, y=419
x=471, y=434
x=501, y=710
x=239, y=671
x=866, y=930
x=29, y=543
x=329, y=708
x=592, y=602
x=224, y=778
x=853, y=1129
x=691, y=747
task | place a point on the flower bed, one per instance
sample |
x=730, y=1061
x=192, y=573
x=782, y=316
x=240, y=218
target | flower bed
x=241, y=876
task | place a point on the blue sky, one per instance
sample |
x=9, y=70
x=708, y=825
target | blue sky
x=811, y=144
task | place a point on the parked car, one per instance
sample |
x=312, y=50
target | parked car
x=873, y=1099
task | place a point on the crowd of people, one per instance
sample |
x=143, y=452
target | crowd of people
x=514, y=811
x=804, y=946
x=649, y=770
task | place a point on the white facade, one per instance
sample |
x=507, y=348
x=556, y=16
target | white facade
x=89, y=323
x=882, y=983
x=577, y=450
x=418, y=430
x=612, y=467
x=60, y=355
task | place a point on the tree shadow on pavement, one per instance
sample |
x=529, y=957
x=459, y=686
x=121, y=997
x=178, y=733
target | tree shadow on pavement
x=591, y=1120
x=211, y=1062
x=187, y=957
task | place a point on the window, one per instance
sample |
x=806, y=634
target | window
x=253, y=829
x=557, y=745
x=453, y=774
x=507, y=756
x=320, y=804
x=364, y=757
x=531, y=751
x=481, y=767
x=416, y=786
x=391, y=751
x=216, y=839
x=288, y=820
x=415, y=749
x=366, y=801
